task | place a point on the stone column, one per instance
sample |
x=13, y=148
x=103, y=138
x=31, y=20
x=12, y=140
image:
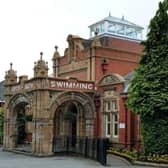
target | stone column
x=6, y=138
x=47, y=138
x=12, y=134
x=6, y=135
x=43, y=138
x=89, y=127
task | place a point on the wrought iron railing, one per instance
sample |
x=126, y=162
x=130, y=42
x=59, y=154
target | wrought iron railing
x=95, y=148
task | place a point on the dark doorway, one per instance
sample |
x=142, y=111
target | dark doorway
x=20, y=123
x=73, y=110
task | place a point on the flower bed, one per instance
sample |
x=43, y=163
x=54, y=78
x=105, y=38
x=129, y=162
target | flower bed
x=139, y=156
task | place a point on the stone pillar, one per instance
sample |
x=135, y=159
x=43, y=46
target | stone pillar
x=93, y=62
x=34, y=137
x=11, y=134
x=47, y=138
x=43, y=138
x=6, y=135
x=89, y=127
x=83, y=131
x=6, y=129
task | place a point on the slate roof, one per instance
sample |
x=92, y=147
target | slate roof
x=127, y=83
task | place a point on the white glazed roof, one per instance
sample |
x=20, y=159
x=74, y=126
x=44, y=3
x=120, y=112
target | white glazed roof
x=118, y=20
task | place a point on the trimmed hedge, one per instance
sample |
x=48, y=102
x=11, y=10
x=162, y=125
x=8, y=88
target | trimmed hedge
x=155, y=133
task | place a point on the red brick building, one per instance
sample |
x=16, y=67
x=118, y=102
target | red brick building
x=90, y=81
x=108, y=59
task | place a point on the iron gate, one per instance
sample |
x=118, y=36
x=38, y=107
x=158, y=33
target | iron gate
x=95, y=148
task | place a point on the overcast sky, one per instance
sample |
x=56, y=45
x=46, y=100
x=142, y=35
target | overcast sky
x=28, y=27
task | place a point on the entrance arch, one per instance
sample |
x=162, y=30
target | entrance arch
x=20, y=117
x=18, y=109
x=69, y=120
x=79, y=107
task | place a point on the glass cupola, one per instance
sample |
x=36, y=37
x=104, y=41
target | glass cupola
x=119, y=27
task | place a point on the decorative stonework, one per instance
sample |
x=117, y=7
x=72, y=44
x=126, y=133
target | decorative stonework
x=82, y=98
x=96, y=41
x=40, y=99
x=48, y=97
x=75, y=45
x=17, y=99
x=41, y=68
x=84, y=101
x=56, y=54
x=55, y=59
x=22, y=87
x=76, y=66
x=11, y=76
x=111, y=79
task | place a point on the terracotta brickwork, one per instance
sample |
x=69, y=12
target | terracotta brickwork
x=87, y=81
x=111, y=56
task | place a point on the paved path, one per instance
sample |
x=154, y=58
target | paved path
x=11, y=160
x=113, y=160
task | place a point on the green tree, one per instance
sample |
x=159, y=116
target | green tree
x=148, y=93
x=1, y=123
x=22, y=118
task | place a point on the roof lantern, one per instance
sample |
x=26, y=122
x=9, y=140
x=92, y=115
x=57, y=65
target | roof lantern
x=116, y=27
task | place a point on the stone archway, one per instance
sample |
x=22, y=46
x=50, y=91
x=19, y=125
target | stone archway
x=80, y=100
x=69, y=120
x=15, y=125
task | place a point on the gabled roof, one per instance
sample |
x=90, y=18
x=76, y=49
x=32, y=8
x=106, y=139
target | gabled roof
x=118, y=20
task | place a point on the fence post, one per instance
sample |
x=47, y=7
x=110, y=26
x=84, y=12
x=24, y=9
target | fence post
x=53, y=143
x=97, y=150
x=67, y=145
x=105, y=147
x=86, y=146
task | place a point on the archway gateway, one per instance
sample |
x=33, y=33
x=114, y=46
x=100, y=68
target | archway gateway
x=68, y=120
x=55, y=111
x=73, y=114
x=69, y=124
x=17, y=119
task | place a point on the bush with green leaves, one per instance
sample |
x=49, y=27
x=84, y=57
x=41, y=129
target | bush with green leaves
x=68, y=115
x=155, y=136
x=1, y=123
x=148, y=93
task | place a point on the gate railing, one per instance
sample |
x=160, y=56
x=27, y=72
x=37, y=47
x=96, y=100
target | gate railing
x=95, y=148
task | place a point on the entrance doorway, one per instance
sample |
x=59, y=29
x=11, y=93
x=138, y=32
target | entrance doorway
x=23, y=120
x=20, y=125
x=66, y=121
x=70, y=133
x=72, y=110
x=73, y=119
